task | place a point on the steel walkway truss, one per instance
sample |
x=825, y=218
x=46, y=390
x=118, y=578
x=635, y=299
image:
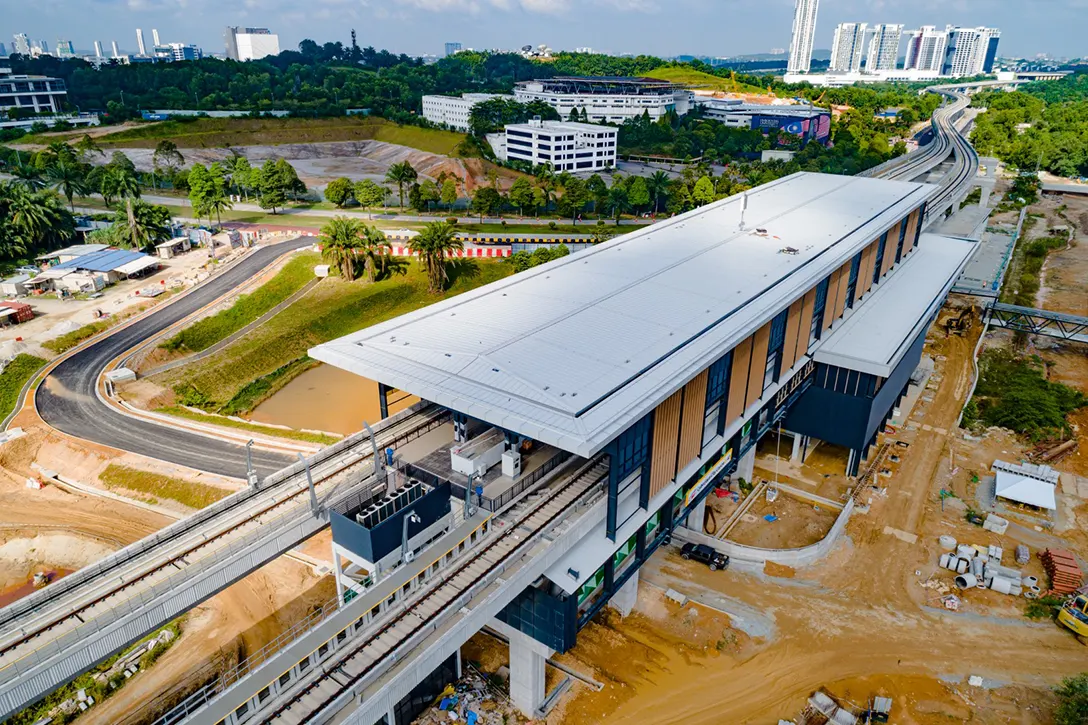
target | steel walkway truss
x=1038, y=322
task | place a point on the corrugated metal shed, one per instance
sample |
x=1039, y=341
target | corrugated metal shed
x=876, y=335
x=574, y=351
x=106, y=260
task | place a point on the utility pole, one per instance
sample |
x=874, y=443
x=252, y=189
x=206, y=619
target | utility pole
x=251, y=474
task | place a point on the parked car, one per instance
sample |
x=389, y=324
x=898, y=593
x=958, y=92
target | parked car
x=701, y=552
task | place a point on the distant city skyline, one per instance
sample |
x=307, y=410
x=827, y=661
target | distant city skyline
x=422, y=27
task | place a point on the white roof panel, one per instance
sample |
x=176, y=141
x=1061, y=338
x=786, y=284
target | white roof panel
x=876, y=335
x=1021, y=489
x=587, y=344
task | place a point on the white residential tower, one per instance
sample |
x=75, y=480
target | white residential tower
x=804, y=32
x=846, y=50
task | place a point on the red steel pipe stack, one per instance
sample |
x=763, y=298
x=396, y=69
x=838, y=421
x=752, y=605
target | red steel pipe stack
x=1062, y=568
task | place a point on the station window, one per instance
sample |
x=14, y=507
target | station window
x=774, y=349
x=902, y=239
x=819, y=306
x=879, y=256
x=852, y=285
x=303, y=665
x=717, y=388
x=285, y=678
x=242, y=712
x=322, y=651
x=264, y=694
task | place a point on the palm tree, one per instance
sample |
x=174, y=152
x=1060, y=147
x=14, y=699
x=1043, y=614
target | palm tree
x=401, y=174
x=432, y=245
x=29, y=177
x=31, y=220
x=121, y=183
x=373, y=249
x=658, y=184
x=69, y=177
x=340, y=242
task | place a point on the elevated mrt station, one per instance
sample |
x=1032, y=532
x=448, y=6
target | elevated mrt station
x=665, y=354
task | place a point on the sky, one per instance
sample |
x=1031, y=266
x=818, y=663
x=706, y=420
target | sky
x=655, y=27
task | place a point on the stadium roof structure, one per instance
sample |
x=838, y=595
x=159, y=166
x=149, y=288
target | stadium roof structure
x=573, y=352
x=600, y=84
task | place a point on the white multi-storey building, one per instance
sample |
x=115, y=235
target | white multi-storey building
x=804, y=32
x=452, y=111
x=21, y=44
x=925, y=49
x=846, y=50
x=884, y=47
x=40, y=94
x=155, y=37
x=566, y=146
x=970, y=51
x=607, y=99
x=251, y=43
x=178, y=52
x=140, y=41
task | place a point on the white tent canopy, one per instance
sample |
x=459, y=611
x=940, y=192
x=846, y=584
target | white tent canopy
x=1027, y=484
x=137, y=265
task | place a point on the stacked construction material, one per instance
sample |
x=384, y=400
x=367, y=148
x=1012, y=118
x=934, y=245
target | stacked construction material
x=1062, y=568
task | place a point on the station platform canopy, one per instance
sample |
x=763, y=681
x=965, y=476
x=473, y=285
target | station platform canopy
x=878, y=333
x=573, y=352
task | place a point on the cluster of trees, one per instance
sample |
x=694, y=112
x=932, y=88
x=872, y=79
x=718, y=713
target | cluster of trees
x=522, y=261
x=492, y=115
x=352, y=246
x=272, y=184
x=1044, y=126
x=32, y=221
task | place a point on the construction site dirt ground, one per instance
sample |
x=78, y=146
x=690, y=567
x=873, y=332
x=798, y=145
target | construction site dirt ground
x=864, y=622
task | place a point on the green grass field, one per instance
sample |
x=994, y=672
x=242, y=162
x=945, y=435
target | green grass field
x=225, y=132
x=157, y=486
x=266, y=430
x=14, y=377
x=704, y=81
x=207, y=332
x=332, y=309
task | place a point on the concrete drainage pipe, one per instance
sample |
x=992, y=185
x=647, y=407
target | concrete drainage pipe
x=966, y=581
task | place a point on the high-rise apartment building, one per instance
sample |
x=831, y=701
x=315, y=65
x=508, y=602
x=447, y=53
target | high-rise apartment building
x=3, y=50
x=452, y=48
x=251, y=43
x=116, y=52
x=155, y=37
x=846, y=50
x=883, y=51
x=98, y=49
x=21, y=44
x=925, y=49
x=804, y=32
x=65, y=49
x=140, y=42
x=970, y=51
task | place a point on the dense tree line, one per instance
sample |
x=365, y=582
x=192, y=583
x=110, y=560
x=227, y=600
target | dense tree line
x=1044, y=126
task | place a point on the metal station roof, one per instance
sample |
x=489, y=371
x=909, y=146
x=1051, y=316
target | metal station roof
x=878, y=333
x=106, y=260
x=572, y=352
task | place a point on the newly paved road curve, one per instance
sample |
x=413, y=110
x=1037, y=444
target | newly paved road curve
x=67, y=399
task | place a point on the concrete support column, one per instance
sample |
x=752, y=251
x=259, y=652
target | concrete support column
x=800, y=443
x=696, y=518
x=527, y=660
x=623, y=601
x=339, y=576
x=383, y=400
x=746, y=466
x=985, y=198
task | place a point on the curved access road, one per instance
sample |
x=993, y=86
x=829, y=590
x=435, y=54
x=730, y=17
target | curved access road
x=67, y=399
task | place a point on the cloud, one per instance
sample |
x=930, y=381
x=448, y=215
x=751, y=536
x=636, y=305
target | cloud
x=537, y=7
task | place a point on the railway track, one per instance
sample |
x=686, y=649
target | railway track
x=55, y=638
x=368, y=658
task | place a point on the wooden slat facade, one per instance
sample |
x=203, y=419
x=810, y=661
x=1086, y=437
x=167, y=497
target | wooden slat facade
x=691, y=423
x=666, y=435
x=807, y=308
x=738, y=380
x=889, y=249
x=865, y=274
x=759, y=364
x=793, y=327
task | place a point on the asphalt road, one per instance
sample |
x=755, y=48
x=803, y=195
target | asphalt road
x=67, y=399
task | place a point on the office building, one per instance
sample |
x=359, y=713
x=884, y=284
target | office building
x=454, y=112
x=804, y=33
x=178, y=51
x=925, y=49
x=155, y=37
x=3, y=50
x=65, y=49
x=808, y=123
x=39, y=94
x=116, y=52
x=42, y=48
x=565, y=145
x=142, y=49
x=452, y=48
x=20, y=44
x=607, y=99
x=97, y=49
x=883, y=53
x=970, y=51
x=251, y=43
x=847, y=48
